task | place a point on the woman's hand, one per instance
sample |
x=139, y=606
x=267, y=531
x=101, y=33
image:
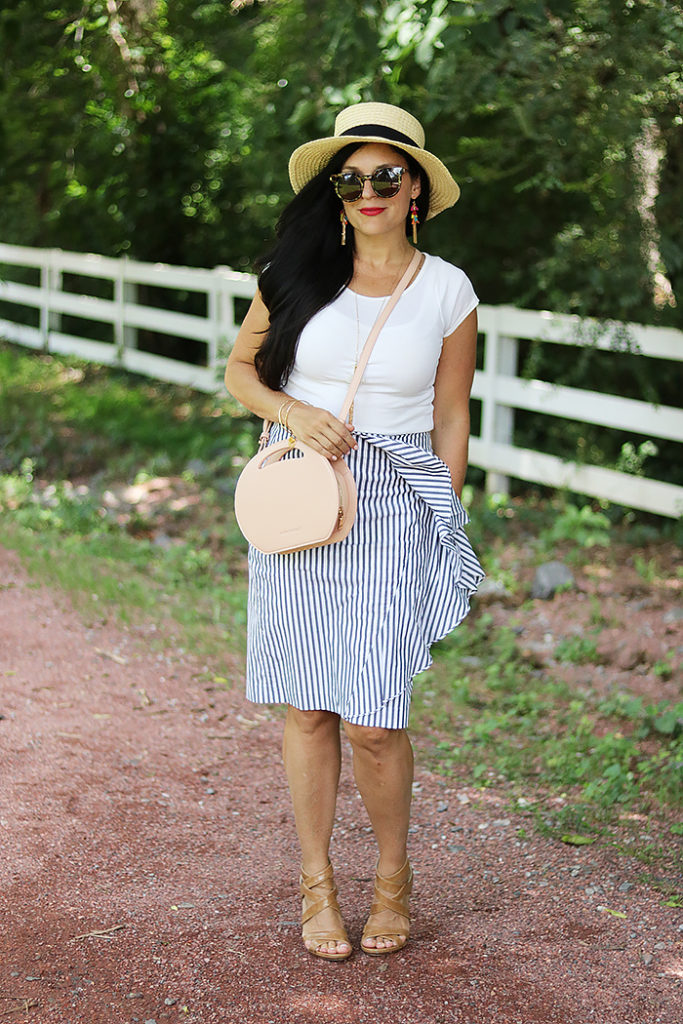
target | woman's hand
x=320, y=430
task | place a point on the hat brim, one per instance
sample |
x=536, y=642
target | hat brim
x=309, y=159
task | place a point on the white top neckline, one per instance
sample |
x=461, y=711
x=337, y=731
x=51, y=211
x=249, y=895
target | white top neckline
x=361, y=295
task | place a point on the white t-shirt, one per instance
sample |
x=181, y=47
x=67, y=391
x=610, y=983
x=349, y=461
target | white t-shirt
x=396, y=394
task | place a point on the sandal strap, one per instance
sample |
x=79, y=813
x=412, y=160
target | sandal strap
x=320, y=904
x=326, y=935
x=327, y=874
x=382, y=902
x=372, y=931
x=393, y=894
x=319, y=901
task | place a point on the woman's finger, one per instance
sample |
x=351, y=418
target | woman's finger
x=321, y=431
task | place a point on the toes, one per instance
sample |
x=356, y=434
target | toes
x=383, y=942
x=330, y=947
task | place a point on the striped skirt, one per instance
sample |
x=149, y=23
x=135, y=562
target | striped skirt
x=346, y=627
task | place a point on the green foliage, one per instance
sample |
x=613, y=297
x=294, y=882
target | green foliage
x=583, y=526
x=66, y=415
x=579, y=650
x=163, y=130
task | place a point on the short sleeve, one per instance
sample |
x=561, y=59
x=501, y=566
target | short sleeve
x=458, y=298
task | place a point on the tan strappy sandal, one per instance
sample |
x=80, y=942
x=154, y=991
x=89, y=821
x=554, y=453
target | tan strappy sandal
x=391, y=893
x=319, y=892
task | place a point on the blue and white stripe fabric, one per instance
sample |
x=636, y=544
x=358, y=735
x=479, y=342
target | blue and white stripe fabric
x=346, y=627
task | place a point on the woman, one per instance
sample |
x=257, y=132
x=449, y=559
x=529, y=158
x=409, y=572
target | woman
x=338, y=632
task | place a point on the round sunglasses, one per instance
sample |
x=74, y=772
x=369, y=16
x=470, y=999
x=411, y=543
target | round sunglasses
x=384, y=181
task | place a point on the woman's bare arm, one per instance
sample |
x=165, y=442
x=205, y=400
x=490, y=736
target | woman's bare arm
x=450, y=436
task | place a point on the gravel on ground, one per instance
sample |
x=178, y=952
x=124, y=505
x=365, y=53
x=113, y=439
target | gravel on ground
x=148, y=864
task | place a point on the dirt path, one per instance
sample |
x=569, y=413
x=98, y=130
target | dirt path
x=148, y=863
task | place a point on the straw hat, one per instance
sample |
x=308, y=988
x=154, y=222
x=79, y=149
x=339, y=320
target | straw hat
x=376, y=122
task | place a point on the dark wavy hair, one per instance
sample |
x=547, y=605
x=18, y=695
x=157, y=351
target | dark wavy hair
x=308, y=267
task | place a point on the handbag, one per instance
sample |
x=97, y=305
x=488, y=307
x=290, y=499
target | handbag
x=289, y=497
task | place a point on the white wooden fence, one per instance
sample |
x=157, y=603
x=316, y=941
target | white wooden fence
x=38, y=308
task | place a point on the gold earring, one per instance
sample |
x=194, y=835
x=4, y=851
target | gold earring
x=344, y=222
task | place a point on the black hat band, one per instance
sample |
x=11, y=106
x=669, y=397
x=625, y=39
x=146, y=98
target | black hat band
x=382, y=132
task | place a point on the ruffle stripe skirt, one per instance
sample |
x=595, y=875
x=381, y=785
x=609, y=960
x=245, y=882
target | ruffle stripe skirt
x=346, y=627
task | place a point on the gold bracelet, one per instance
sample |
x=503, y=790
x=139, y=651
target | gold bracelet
x=279, y=412
x=287, y=412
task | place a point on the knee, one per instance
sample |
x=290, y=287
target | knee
x=312, y=723
x=371, y=739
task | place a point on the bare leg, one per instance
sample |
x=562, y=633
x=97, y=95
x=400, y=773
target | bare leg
x=383, y=768
x=312, y=756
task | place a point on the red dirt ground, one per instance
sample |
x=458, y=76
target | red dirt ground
x=148, y=865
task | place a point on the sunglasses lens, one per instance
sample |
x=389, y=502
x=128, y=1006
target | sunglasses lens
x=348, y=187
x=386, y=182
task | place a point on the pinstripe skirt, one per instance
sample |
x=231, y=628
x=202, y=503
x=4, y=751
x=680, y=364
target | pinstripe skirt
x=347, y=627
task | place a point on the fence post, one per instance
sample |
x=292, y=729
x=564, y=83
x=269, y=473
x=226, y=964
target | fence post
x=222, y=307
x=124, y=291
x=214, y=316
x=498, y=421
x=50, y=282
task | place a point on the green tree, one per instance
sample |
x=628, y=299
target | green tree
x=163, y=130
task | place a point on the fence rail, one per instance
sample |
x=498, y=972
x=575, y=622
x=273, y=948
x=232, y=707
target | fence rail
x=55, y=315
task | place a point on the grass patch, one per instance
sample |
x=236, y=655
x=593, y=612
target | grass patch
x=577, y=762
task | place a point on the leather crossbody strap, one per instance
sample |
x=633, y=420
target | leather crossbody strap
x=367, y=348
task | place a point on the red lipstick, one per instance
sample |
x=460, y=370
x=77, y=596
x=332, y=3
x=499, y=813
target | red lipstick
x=372, y=211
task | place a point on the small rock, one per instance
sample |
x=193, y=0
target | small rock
x=673, y=616
x=172, y=1002
x=442, y=808
x=135, y=995
x=629, y=657
x=646, y=958
x=549, y=577
x=536, y=654
x=625, y=886
x=490, y=591
x=660, y=945
x=501, y=822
